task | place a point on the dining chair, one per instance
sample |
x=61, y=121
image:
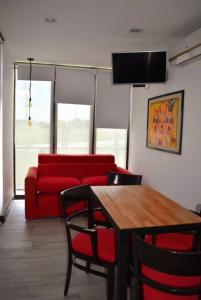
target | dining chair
x=91, y=246
x=163, y=274
x=179, y=241
x=115, y=178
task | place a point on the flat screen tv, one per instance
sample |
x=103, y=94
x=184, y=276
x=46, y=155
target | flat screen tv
x=139, y=67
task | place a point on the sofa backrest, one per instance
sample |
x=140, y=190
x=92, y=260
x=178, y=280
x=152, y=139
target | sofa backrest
x=84, y=158
x=79, y=170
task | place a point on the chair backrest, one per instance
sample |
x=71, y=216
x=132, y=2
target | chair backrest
x=115, y=178
x=70, y=197
x=184, y=264
x=74, y=195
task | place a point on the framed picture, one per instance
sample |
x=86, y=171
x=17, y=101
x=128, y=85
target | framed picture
x=164, y=122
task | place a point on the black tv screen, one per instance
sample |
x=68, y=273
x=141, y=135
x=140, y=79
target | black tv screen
x=139, y=67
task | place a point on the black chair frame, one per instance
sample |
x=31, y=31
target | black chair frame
x=69, y=197
x=165, y=261
x=116, y=178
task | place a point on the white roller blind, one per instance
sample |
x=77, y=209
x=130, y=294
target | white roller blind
x=39, y=72
x=112, y=102
x=74, y=86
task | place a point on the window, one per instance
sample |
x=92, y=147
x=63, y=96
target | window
x=112, y=141
x=29, y=141
x=76, y=90
x=73, y=128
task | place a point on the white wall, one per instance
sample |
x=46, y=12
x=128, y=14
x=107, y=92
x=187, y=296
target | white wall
x=7, y=129
x=176, y=176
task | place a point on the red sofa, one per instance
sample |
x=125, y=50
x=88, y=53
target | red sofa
x=57, y=172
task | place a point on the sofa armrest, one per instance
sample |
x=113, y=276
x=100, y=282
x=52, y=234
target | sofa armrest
x=31, y=207
x=123, y=171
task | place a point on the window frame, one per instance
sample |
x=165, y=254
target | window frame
x=54, y=116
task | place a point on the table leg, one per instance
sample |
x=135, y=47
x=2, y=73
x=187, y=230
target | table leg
x=199, y=239
x=122, y=265
x=91, y=200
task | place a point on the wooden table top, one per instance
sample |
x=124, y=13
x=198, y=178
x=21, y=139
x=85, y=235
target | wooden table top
x=139, y=206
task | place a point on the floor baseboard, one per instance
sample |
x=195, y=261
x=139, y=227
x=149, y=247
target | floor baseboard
x=2, y=219
x=6, y=212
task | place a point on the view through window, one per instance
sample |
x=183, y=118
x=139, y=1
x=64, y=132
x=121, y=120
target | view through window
x=31, y=140
x=113, y=141
x=73, y=128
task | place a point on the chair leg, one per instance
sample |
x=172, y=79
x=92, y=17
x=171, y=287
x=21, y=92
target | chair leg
x=88, y=267
x=131, y=289
x=135, y=289
x=110, y=283
x=68, y=274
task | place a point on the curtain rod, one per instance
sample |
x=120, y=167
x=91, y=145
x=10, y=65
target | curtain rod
x=65, y=65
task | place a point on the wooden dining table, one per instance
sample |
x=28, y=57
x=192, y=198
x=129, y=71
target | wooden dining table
x=143, y=210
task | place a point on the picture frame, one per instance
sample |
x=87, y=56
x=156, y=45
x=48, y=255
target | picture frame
x=165, y=122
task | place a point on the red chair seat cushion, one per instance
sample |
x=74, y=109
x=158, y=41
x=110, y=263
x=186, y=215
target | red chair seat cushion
x=82, y=244
x=99, y=216
x=54, y=184
x=173, y=241
x=95, y=180
x=153, y=294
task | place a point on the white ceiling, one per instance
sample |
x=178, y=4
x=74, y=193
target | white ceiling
x=88, y=31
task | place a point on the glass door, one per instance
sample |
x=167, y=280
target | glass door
x=35, y=139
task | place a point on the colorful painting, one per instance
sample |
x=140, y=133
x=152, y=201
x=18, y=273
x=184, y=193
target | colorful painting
x=164, y=122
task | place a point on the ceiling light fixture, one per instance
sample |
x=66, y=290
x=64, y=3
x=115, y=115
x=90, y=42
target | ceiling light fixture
x=50, y=19
x=136, y=30
x=30, y=59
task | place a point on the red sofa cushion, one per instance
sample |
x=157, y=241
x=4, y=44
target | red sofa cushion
x=153, y=294
x=95, y=180
x=106, y=244
x=173, y=241
x=78, y=170
x=76, y=158
x=53, y=184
